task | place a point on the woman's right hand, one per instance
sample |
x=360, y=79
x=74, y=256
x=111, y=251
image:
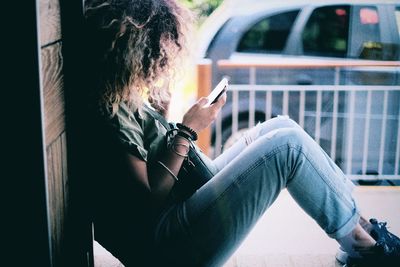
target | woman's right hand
x=199, y=117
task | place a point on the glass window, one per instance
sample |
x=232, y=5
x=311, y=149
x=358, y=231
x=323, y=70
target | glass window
x=326, y=32
x=366, y=33
x=268, y=35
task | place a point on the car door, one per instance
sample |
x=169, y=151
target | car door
x=374, y=36
x=322, y=34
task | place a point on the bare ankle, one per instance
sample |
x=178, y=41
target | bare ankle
x=357, y=240
x=362, y=239
x=365, y=224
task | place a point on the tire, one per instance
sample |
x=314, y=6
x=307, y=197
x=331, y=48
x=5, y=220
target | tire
x=228, y=139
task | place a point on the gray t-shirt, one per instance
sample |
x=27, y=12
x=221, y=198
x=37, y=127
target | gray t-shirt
x=139, y=132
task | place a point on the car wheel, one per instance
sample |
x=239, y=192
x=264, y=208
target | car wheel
x=228, y=139
x=233, y=138
x=369, y=182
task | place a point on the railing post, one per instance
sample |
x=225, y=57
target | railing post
x=204, y=78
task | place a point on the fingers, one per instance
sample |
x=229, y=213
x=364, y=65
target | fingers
x=216, y=107
x=200, y=116
x=221, y=101
x=202, y=101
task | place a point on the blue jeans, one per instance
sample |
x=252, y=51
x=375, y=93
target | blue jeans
x=205, y=229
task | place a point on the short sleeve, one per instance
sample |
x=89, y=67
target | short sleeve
x=129, y=130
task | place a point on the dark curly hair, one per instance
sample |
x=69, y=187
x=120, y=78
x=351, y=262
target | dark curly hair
x=132, y=45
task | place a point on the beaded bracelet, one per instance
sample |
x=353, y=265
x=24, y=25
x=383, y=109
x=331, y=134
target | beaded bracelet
x=185, y=135
x=188, y=129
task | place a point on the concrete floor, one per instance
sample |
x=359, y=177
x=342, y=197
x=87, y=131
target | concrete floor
x=286, y=236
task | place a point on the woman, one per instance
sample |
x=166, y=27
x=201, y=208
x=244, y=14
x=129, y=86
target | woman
x=132, y=50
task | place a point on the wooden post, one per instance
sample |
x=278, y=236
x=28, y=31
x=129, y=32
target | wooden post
x=204, y=78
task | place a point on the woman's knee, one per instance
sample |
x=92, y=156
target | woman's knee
x=287, y=135
x=281, y=121
x=270, y=127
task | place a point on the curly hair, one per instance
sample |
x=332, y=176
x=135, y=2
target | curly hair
x=132, y=46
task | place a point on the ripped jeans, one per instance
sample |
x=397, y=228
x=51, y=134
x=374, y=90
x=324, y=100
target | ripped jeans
x=205, y=229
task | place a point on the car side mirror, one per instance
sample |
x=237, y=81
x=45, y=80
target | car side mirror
x=379, y=51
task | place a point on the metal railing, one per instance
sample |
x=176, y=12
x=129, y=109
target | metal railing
x=369, y=153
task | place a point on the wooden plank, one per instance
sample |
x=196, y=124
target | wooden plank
x=57, y=177
x=64, y=171
x=50, y=27
x=53, y=92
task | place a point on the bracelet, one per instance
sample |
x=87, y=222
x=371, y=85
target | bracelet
x=188, y=129
x=185, y=135
x=168, y=170
x=173, y=148
x=171, y=136
x=172, y=132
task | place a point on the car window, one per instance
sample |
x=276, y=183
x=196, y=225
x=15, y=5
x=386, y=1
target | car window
x=326, y=32
x=366, y=32
x=268, y=35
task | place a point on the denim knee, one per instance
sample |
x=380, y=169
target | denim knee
x=281, y=121
x=287, y=122
x=293, y=136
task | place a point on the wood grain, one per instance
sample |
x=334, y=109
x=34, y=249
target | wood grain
x=50, y=27
x=53, y=92
x=57, y=194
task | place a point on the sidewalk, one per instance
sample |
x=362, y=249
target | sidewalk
x=286, y=236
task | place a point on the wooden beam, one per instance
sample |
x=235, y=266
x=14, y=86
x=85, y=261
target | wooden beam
x=50, y=30
x=53, y=92
x=57, y=197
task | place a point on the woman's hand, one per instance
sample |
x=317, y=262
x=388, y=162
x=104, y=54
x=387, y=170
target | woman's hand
x=199, y=117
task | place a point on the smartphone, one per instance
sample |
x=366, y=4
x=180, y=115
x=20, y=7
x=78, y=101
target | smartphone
x=221, y=87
